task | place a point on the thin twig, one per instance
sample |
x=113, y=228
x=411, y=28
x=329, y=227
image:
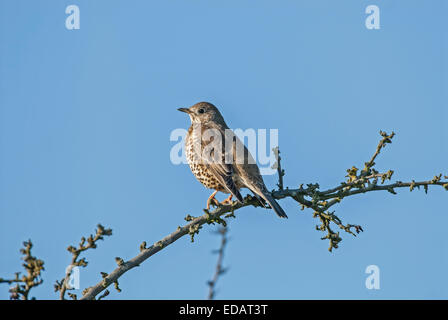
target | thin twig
x=63, y=285
x=277, y=165
x=24, y=284
x=219, y=268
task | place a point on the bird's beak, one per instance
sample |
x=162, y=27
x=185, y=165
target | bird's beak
x=186, y=110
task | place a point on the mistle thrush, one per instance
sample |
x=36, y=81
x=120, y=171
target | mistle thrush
x=219, y=160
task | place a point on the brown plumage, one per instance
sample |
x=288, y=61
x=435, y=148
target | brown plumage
x=219, y=160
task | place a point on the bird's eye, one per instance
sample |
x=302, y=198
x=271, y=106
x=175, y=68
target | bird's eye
x=201, y=110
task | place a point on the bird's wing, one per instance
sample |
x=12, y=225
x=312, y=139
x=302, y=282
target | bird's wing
x=224, y=172
x=217, y=164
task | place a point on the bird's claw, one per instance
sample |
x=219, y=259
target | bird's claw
x=212, y=202
x=227, y=201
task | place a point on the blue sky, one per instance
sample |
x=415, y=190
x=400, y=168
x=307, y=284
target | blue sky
x=86, y=116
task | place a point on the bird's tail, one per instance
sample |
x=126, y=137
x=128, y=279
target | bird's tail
x=274, y=205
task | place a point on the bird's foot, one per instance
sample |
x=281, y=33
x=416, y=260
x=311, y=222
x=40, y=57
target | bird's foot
x=227, y=201
x=212, y=201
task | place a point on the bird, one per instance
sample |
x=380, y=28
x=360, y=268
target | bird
x=226, y=167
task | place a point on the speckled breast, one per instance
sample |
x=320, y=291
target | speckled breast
x=199, y=169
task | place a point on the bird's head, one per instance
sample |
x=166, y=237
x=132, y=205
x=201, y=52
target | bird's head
x=203, y=112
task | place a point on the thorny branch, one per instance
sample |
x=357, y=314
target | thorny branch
x=63, y=285
x=310, y=197
x=220, y=270
x=24, y=284
x=278, y=166
x=358, y=181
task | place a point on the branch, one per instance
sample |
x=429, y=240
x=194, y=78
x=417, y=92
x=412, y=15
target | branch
x=311, y=197
x=33, y=267
x=63, y=285
x=278, y=166
x=219, y=268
